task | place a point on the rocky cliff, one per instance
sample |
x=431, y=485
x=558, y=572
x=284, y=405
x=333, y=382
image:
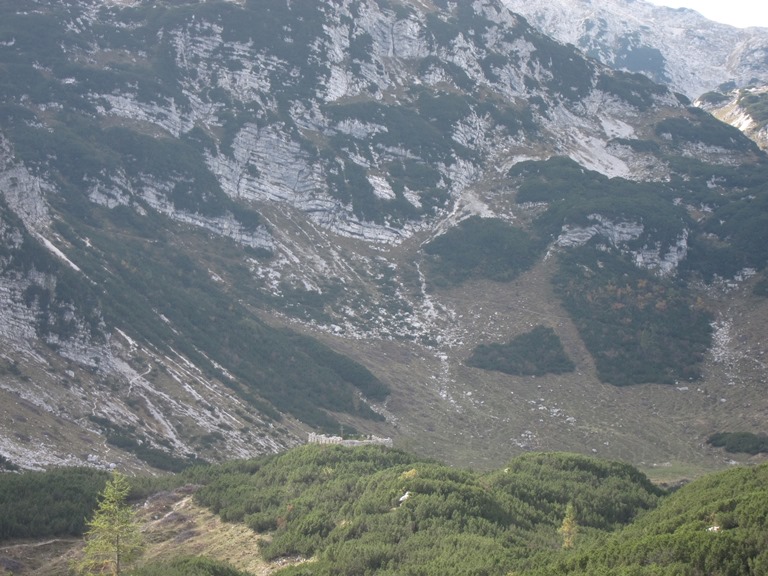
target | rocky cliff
x=674, y=46
x=744, y=108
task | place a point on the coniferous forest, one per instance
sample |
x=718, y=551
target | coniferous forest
x=372, y=510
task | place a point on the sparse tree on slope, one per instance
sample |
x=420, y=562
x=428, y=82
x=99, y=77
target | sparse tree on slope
x=569, y=526
x=113, y=540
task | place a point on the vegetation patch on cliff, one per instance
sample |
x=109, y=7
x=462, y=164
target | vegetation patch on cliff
x=534, y=353
x=481, y=248
x=638, y=327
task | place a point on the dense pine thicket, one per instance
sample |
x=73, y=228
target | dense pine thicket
x=638, y=327
x=377, y=511
x=197, y=566
x=372, y=510
x=745, y=442
x=717, y=525
x=756, y=105
x=58, y=502
x=37, y=504
x=481, y=248
x=537, y=352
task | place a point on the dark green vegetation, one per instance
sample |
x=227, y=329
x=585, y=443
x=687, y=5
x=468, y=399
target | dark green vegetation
x=713, y=97
x=416, y=128
x=274, y=369
x=6, y=465
x=717, y=525
x=637, y=326
x=761, y=287
x=198, y=566
x=24, y=256
x=127, y=438
x=376, y=511
x=756, y=105
x=745, y=442
x=636, y=89
x=735, y=236
x=481, y=248
x=701, y=126
x=575, y=194
x=55, y=503
x=534, y=353
x=58, y=502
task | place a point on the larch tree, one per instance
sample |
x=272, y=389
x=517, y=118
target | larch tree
x=569, y=527
x=113, y=540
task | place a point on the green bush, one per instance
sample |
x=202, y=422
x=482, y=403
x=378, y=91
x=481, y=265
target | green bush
x=481, y=248
x=571, y=74
x=746, y=442
x=125, y=438
x=712, y=97
x=756, y=105
x=638, y=327
x=606, y=494
x=534, y=353
x=195, y=566
x=761, y=287
x=55, y=503
x=702, y=127
x=715, y=525
x=636, y=89
x=377, y=511
x=7, y=465
x=731, y=239
x=574, y=194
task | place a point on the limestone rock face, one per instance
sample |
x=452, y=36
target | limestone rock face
x=740, y=108
x=678, y=47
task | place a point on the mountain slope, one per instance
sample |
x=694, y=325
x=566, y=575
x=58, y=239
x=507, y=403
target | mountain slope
x=371, y=510
x=715, y=525
x=225, y=225
x=743, y=108
x=675, y=46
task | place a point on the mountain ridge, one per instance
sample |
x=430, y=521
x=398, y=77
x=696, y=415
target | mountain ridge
x=675, y=46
